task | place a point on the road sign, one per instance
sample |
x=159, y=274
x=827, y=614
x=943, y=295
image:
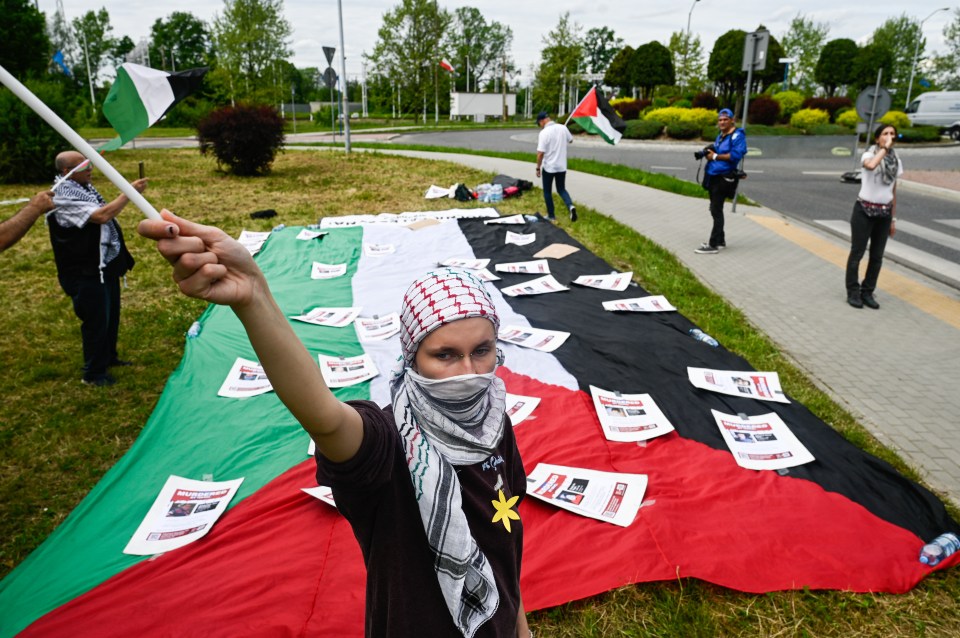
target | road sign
x=869, y=109
x=329, y=51
x=755, y=50
x=330, y=78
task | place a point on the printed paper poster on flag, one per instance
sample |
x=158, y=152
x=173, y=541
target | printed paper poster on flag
x=327, y=271
x=466, y=263
x=629, y=417
x=331, y=317
x=377, y=328
x=614, y=281
x=519, y=408
x=184, y=511
x=535, y=338
x=611, y=497
x=750, y=384
x=652, y=303
x=321, y=493
x=762, y=442
x=245, y=379
x=540, y=286
x=512, y=219
x=253, y=241
x=306, y=234
x=378, y=250
x=340, y=372
x=536, y=267
x=520, y=239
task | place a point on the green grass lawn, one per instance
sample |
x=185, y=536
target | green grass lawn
x=58, y=437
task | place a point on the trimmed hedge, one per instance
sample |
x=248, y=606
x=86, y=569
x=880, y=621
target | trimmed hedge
x=643, y=129
x=898, y=119
x=920, y=134
x=683, y=130
x=790, y=103
x=806, y=119
x=764, y=110
x=832, y=105
x=830, y=129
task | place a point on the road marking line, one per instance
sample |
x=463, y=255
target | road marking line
x=953, y=223
x=935, y=236
x=923, y=297
x=836, y=174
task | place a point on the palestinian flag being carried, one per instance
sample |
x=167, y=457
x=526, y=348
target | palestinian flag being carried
x=280, y=562
x=140, y=96
x=596, y=116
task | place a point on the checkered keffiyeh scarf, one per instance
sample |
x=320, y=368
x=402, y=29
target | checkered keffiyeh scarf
x=441, y=433
x=70, y=191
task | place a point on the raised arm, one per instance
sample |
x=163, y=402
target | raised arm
x=110, y=210
x=210, y=265
x=13, y=229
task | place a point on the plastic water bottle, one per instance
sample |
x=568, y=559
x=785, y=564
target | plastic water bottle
x=939, y=548
x=700, y=335
x=194, y=330
x=278, y=228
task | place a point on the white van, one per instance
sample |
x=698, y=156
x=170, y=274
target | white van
x=937, y=108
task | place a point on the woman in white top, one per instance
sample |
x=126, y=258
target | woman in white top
x=873, y=216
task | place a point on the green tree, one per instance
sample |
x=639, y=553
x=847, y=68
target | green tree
x=409, y=46
x=182, y=40
x=725, y=66
x=687, y=53
x=834, y=67
x=870, y=59
x=478, y=48
x=560, y=60
x=650, y=67
x=96, y=44
x=618, y=73
x=251, y=38
x=901, y=36
x=24, y=46
x=804, y=41
x=946, y=66
x=600, y=45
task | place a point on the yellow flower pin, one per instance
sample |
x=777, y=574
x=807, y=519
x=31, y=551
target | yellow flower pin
x=505, y=511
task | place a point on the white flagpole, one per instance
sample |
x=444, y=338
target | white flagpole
x=78, y=143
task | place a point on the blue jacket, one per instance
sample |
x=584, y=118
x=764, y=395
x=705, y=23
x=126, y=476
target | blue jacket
x=736, y=145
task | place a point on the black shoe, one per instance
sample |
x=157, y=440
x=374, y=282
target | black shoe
x=869, y=301
x=573, y=213
x=854, y=300
x=120, y=363
x=98, y=380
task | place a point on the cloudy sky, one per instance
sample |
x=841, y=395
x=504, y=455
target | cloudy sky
x=315, y=23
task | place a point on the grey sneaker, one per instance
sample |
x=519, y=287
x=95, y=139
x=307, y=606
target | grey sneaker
x=707, y=249
x=573, y=213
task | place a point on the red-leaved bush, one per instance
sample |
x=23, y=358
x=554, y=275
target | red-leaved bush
x=707, y=101
x=764, y=110
x=245, y=138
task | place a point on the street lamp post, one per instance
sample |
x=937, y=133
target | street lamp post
x=916, y=50
x=689, y=14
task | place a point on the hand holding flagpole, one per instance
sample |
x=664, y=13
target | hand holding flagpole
x=78, y=143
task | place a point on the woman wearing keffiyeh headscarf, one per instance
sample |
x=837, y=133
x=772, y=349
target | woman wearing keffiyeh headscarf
x=431, y=484
x=874, y=215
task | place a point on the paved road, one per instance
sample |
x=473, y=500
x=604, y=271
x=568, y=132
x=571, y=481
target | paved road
x=797, y=177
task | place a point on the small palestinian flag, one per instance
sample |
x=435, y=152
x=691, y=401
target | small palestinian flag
x=140, y=96
x=596, y=116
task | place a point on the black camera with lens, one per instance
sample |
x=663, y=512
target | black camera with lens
x=699, y=155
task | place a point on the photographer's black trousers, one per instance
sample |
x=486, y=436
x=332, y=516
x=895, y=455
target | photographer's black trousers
x=720, y=189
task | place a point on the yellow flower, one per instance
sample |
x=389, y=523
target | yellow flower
x=505, y=511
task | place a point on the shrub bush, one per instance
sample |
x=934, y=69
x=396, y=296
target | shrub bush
x=706, y=101
x=574, y=127
x=660, y=102
x=919, y=134
x=832, y=105
x=629, y=109
x=683, y=130
x=896, y=118
x=830, y=129
x=673, y=115
x=245, y=138
x=682, y=104
x=848, y=118
x=762, y=130
x=28, y=145
x=764, y=110
x=790, y=103
x=643, y=129
x=806, y=119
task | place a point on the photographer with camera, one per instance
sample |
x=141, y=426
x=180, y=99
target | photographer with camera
x=721, y=175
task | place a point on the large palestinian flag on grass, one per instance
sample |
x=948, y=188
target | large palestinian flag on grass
x=140, y=96
x=280, y=562
x=596, y=116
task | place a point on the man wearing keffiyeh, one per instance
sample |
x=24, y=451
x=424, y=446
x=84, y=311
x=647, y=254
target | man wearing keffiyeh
x=431, y=484
x=91, y=257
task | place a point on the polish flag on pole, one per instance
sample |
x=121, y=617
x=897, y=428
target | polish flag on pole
x=596, y=116
x=446, y=66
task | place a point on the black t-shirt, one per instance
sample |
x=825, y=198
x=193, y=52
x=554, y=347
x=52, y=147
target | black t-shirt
x=374, y=492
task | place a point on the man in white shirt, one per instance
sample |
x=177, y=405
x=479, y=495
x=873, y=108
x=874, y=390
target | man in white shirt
x=552, y=162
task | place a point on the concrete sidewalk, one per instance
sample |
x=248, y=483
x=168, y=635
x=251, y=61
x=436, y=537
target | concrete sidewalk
x=896, y=369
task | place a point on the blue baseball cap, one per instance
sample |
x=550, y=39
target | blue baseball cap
x=726, y=112
x=541, y=116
